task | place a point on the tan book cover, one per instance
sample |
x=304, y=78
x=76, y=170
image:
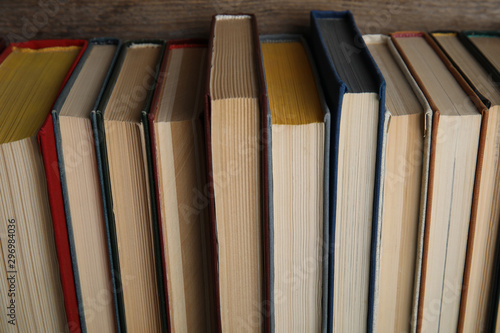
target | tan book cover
x=456, y=146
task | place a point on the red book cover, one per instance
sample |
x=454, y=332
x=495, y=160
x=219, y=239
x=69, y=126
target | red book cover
x=173, y=44
x=47, y=144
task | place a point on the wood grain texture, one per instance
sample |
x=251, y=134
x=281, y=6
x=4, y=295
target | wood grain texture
x=34, y=19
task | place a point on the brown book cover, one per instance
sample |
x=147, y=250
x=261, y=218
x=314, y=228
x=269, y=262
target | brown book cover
x=484, y=217
x=417, y=320
x=265, y=307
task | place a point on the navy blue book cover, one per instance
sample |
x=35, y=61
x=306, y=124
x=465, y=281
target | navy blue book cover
x=335, y=89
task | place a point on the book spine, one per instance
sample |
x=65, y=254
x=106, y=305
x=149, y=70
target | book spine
x=47, y=143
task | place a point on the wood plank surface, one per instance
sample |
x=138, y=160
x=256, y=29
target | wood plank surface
x=21, y=20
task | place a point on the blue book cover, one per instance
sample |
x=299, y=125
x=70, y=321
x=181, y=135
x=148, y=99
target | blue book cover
x=269, y=171
x=58, y=106
x=364, y=78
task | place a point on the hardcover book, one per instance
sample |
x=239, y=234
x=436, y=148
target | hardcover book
x=32, y=75
x=455, y=147
x=479, y=266
x=355, y=93
x=234, y=102
x=178, y=156
x=122, y=138
x=80, y=185
x=488, y=45
x=298, y=125
x=405, y=167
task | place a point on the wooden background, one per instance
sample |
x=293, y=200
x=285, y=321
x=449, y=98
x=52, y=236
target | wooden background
x=126, y=19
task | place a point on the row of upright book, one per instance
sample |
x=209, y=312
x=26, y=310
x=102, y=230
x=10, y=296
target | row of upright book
x=330, y=182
